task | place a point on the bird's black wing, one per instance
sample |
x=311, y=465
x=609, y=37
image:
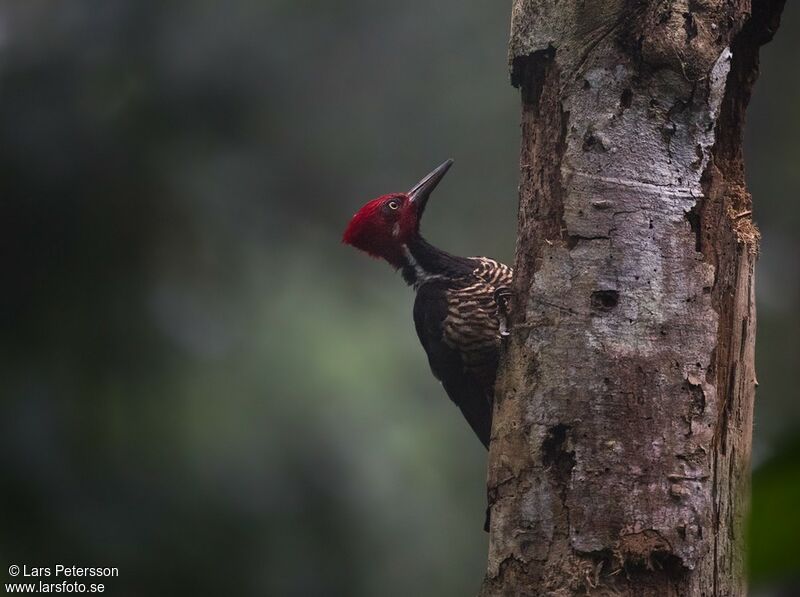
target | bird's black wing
x=460, y=338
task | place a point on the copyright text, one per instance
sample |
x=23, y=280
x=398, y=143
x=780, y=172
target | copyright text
x=57, y=573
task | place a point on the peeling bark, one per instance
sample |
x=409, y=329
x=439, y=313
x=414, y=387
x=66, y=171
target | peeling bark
x=620, y=452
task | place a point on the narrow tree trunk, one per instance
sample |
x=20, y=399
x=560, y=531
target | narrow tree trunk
x=620, y=456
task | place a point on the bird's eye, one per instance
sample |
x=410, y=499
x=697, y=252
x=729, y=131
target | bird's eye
x=393, y=204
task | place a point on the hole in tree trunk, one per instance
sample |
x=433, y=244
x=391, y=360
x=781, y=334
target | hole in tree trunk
x=605, y=300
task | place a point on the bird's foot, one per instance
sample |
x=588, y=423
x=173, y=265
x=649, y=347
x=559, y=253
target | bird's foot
x=502, y=297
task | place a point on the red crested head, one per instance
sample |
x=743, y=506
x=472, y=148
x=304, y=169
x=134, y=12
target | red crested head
x=384, y=225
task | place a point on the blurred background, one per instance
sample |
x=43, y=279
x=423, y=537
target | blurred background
x=198, y=383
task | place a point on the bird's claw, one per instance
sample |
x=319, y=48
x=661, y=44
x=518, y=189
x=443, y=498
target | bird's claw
x=502, y=297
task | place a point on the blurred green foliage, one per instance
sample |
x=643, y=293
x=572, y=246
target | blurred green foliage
x=200, y=385
x=775, y=524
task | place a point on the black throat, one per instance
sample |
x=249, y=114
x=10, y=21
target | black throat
x=423, y=262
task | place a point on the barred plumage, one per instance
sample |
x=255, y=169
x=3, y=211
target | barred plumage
x=459, y=322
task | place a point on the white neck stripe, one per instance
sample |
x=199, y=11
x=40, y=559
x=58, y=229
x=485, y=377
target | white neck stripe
x=419, y=272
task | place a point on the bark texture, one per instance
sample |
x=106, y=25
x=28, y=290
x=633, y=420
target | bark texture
x=620, y=453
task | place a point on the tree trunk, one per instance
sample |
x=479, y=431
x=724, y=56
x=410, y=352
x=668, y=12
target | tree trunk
x=620, y=454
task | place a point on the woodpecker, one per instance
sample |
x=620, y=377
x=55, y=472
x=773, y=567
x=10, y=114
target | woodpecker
x=461, y=302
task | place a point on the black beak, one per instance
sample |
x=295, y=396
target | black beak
x=423, y=189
